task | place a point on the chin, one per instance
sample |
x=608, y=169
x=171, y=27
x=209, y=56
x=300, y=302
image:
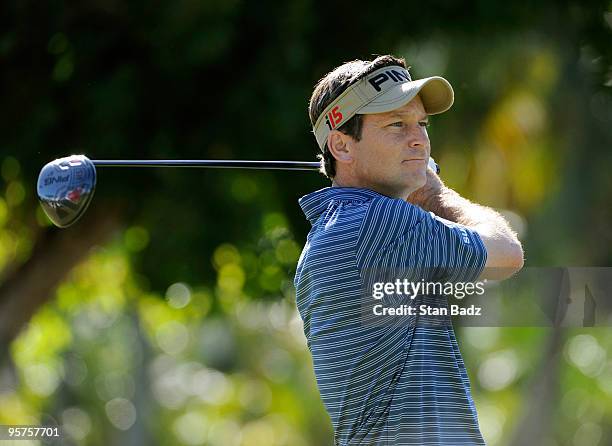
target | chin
x=413, y=184
x=418, y=180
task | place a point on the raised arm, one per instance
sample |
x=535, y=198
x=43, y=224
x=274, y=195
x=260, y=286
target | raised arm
x=504, y=250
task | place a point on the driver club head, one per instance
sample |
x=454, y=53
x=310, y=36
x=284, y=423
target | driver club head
x=65, y=188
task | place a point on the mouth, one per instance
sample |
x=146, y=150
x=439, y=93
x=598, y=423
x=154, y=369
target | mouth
x=413, y=159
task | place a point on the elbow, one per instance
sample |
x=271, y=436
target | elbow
x=516, y=257
x=505, y=263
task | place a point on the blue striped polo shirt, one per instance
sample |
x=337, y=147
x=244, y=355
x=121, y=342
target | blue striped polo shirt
x=401, y=381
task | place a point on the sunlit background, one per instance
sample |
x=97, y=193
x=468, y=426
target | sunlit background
x=167, y=315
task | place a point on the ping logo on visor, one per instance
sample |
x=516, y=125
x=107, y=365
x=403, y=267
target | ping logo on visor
x=382, y=90
x=394, y=75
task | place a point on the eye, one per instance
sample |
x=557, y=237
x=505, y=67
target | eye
x=396, y=124
x=424, y=123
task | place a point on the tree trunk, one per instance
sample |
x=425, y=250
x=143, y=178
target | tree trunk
x=538, y=407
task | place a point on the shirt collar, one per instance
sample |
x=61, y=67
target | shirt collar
x=315, y=203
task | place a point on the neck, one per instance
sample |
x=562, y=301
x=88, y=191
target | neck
x=376, y=187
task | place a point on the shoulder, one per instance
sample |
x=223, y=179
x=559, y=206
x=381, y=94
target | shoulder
x=386, y=221
x=392, y=217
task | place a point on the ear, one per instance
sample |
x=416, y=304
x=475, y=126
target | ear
x=340, y=146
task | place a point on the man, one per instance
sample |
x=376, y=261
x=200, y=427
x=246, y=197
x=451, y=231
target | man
x=390, y=383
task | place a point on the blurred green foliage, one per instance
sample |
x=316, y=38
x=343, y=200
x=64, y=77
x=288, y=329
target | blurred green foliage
x=182, y=329
x=213, y=363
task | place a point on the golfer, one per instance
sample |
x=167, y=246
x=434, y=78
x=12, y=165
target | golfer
x=400, y=381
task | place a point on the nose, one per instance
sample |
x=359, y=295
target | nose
x=419, y=138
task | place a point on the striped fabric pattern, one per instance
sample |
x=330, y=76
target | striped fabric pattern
x=402, y=381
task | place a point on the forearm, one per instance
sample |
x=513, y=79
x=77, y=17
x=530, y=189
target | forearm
x=451, y=206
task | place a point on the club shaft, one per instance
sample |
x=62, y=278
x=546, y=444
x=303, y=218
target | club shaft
x=236, y=164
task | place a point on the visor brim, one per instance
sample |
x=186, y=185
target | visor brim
x=436, y=94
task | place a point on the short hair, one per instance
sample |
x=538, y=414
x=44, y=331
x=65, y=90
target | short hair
x=332, y=85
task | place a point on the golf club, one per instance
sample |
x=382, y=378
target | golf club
x=66, y=185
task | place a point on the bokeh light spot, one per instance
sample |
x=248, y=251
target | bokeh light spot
x=172, y=337
x=57, y=44
x=178, y=295
x=76, y=423
x=499, y=370
x=191, y=428
x=136, y=238
x=63, y=68
x=244, y=189
x=225, y=254
x=584, y=352
x=15, y=193
x=41, y=379
x=121, y=413
x=10, y=168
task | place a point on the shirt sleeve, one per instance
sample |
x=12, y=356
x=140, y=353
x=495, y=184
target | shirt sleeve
x=460, y=250
x=398, y=235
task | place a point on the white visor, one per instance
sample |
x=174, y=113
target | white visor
x=381, y=91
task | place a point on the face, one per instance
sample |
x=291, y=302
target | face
x=392, y=155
